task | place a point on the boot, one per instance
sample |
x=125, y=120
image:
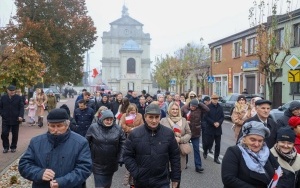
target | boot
x=42, y=121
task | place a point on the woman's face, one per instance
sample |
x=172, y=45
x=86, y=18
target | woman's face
x=242, y=101
x=285, y=146
x=182, y=98
x=174, y=111
x=132, y=112
x=254, y=142
x=108, y=121
x=39, y=90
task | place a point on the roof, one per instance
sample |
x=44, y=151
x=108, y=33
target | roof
x=126, y=20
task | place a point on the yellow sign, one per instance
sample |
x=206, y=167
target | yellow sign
x=294, y=76
x=293, y=62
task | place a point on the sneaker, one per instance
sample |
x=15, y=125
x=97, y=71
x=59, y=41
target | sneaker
x=13, y=150
x=5, y=150
x=199, y=169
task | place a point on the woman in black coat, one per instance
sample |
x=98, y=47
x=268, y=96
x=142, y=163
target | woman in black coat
x=249, y=164
x=107, y=144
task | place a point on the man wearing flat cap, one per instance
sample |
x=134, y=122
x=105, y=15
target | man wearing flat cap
x=150, y=150
x=263, y=108
x=58, y=158
x=12, y=112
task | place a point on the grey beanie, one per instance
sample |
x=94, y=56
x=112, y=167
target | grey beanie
x=194, y=102
x=106, y=114
x=295, y=105
x=256, y=128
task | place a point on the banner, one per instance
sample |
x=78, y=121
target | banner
x=95, y=73
x=118, y=115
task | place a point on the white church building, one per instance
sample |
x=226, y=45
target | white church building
x=126, y=56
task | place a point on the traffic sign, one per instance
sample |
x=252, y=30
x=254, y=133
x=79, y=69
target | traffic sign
x=294, y=76
x=293, y=62
x=210, y=79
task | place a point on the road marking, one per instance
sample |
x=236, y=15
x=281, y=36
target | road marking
x=210, y=154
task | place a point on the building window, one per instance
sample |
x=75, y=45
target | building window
x=279, y=38
x=218, y=54
x=251, y=45
x=237, y=49
x=295, y=88
x=131, y=65
x=297, y=34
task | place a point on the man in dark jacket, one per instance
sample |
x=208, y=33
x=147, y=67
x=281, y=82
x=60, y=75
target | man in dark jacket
x=116, y=104
x=88, y=102
x=12, y=112
x=58, y=158
x=293, y=110
x=214, y=119
x=142, y=106
x=263, y=108
x=194, y=112
x=134, y=98
x=83, y=116
x=104, y=102
x=150, y=150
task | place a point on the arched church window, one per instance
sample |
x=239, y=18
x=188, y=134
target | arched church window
x=131, y=65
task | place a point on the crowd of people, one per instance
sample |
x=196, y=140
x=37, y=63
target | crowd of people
x=151, y=135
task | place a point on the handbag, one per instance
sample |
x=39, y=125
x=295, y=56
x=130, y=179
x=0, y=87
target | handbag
x=185, y=148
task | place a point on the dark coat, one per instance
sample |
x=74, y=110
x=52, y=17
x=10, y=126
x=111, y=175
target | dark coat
x=115, y=106
x=83, y=119
x=271, y=140
x=215, y=114
x=134, y=100
x=68, y=156
x=102, y=103
x=107, y=146
x=89, y=103
x=11, y=109
x=291, y=175
x=236, y=174
x=284, y=120
x=195, y=118
x=149, y=153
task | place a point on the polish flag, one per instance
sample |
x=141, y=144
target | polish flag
x=118, y=115
x=129, y=120
x=188, y=116
x=176, y=128
x=275, y=178
x=95, y=73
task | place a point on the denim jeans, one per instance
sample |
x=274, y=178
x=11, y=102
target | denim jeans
x=197, y=158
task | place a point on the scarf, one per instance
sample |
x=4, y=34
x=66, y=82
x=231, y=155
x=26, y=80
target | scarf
x=255, y=161
x=288, y=157
x=175, y=119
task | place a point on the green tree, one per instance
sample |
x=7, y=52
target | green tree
x=20, y=65
x=270, y=53
x=59, y=30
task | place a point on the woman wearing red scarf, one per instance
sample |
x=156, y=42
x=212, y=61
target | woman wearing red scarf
x=294, y=122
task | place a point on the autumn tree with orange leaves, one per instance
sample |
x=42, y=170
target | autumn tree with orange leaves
x=59, y=30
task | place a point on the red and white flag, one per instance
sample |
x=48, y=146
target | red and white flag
x=275, y=178
x=188, y=116
x=129, y=120
x=95, y=73
x=118, y=115
x=176, y=128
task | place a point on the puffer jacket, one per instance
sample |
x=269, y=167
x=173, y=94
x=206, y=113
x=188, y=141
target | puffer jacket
x=148, y=154
x=68, y=156
x=107, y=146
x=195, y=118
x=84, y=119
x=291, y=175
x=283, y=120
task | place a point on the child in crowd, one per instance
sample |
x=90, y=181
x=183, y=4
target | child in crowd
x=31, y=111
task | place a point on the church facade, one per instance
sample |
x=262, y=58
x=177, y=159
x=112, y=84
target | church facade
x=126, y=56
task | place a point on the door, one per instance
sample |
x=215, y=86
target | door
x=277, y=95
x=250, y=84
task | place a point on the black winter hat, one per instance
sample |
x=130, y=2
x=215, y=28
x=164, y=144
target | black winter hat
x=64, y=106
x=286, y=134
x=57, y=115
x=194, y=102
x=295, y=105
x=206, y=98
x=241, y=97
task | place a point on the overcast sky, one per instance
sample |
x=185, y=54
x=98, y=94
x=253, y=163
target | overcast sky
x=171, y=23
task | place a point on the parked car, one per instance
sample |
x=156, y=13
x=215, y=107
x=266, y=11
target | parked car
x=55, y=92
x=228, y=102
x=276, y=113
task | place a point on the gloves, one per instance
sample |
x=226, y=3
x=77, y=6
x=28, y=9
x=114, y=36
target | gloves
x=120, y=164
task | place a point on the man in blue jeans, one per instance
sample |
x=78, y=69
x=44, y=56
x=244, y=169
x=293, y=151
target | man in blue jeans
x=194, y=112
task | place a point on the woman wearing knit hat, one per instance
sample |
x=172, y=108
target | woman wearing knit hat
x=288, y=158
x=106, y=141
x=240, y=113
x=294, y=123
x=249, y=163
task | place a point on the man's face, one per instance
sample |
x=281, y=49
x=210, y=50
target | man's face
x=86, y=97
x=177, y=97
x=98, y=93
x=134, y=94
x=11, y=92
x=207, y=102
x=214, y=101
x=152, y=120
x=263, y=110
x=169, y=98
x=193, y=108
x=104, y=98
x=119, y=97
x=58, y=128
x=142, y=100
x=82, y=106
